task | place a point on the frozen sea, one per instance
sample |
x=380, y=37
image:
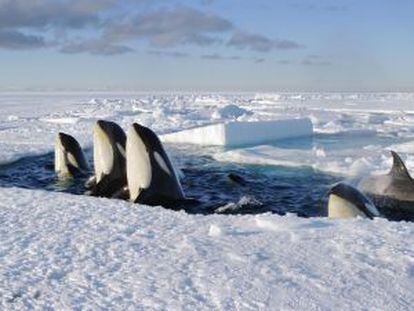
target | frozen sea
x=63, y=250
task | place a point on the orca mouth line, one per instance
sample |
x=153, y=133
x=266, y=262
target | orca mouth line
x=211, y=186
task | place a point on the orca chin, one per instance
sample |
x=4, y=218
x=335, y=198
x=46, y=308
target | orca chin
x=346, y=201
x=109, y=159
x=151, y=177
x=69, y=158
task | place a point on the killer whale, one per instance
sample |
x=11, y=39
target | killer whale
x=392, y=193
x=69, y=158
x=109, y=178
x=347, y=201
x=151, y=177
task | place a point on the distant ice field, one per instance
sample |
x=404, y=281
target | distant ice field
x=30, y=121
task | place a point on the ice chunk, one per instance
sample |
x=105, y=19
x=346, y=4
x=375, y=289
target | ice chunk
x=242, y=133
x=12, y=118
x=230, y=112
x=64, y=120
x=244, y=203
x=215, y=231
x=95, y=101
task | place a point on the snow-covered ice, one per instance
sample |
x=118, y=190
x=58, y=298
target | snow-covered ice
x=230, y=111
x=233, y=134
x=62, y=251
x=69, y=252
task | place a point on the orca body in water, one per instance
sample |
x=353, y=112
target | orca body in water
x=109, y=160
x=151, y=177
x=69, y=158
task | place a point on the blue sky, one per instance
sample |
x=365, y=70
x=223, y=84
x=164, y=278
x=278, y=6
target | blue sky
x=207, y=45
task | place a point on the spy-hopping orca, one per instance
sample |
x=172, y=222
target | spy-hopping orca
x=150, y=174
x=392, y=193
x=69, y=158
x=109, y=160
x=347, y=201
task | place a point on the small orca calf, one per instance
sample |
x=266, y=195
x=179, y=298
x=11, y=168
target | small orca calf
x=109, y=160
x=69, y=158
x=347, y=201
x=393, y=193
x=151, y=177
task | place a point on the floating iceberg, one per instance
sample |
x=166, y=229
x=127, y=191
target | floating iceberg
x=242, y=133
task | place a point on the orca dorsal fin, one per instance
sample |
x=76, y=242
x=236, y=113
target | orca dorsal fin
x=399, y=170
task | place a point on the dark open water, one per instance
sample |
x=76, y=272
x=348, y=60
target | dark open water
x=253, y=188
x=241, y=188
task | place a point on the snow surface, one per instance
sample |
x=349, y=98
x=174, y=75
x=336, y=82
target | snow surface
x=63, y=251
x=230, y=111
x=232, y=134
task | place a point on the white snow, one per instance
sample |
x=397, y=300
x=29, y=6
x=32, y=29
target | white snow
x=334, y=162
x=214, y=134
x=60, y=251
x=71, y=252
x=242, y=133
x=230, y=111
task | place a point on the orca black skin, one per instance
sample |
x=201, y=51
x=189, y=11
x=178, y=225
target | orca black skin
x=237, y=179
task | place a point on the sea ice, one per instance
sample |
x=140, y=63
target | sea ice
x=230, y=112
x=242, y=133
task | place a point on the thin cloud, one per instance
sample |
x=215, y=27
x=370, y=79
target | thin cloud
x=19, y=16
x=217, y=56
x=315, y=60
x=284, y=62
x=74, y=14
x=96, y=47
x=172, y=27
x=45, y=23
x=260, y=43
x=169, y=54
x=15, y=40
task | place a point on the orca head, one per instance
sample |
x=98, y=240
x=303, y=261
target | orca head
x=69, y=157
x=108, y=148
x=148, y=163
x=347, y=201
